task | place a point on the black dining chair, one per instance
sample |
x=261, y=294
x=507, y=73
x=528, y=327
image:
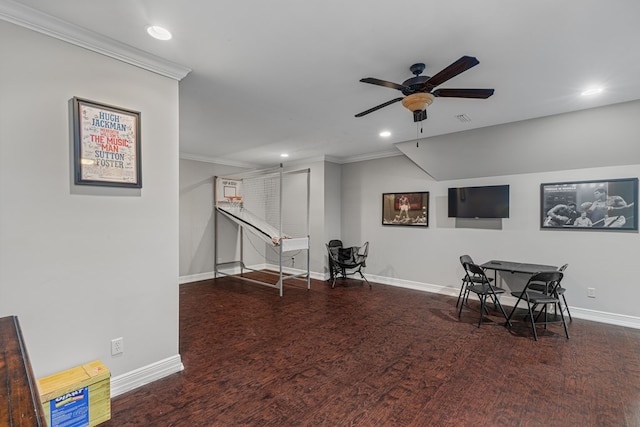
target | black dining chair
x=560, y=291
x=541, y=299
x=468, y=279
x=483, y=289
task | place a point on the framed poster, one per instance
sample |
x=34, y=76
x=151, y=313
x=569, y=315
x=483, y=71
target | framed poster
x=405, y=209
x=106, y=145
x=590, y=205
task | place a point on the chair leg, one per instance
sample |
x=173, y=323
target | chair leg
x=504, y=313
x=567, y=307
x=462, y=289
x=556, y=307
x=365, y=279
x=483, y=303
x=460, y=308
x=465, y=296
x=494, y=299
x=564, y=323
x=483, y=306
x=513, y=310
x=533, y=322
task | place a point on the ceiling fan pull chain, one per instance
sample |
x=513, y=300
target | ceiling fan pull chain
x=420, y=128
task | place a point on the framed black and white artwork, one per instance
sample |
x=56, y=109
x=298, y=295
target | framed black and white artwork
x=590, y=205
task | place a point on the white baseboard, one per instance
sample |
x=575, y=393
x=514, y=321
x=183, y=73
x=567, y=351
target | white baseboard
x=577, y=312
x=195, y=278
x=145, y=375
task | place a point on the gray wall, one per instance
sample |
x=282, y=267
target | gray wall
x=80, y=266
x=604, y=136
x=332, y=203
x=197, y=220
x=346, y=204
x=428, y=258
x=197, y=236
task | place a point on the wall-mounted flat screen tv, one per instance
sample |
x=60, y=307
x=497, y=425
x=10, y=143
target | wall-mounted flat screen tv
x=479, y=202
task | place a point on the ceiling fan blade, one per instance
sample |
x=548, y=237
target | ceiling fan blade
x=463, y=93
x=371, y=110
x=384, y=83
x=461, y=65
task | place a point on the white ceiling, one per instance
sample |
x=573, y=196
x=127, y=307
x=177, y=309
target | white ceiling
x=283, y=75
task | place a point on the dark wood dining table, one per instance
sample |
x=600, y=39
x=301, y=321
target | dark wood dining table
x=516, y=267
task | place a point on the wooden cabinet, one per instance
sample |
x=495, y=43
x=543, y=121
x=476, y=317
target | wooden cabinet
x=19, y=398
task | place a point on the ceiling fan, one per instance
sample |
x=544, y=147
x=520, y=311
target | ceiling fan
x=419, y=91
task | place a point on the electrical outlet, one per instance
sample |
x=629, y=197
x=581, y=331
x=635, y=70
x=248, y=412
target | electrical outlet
x=591, y=292
x=117, y=346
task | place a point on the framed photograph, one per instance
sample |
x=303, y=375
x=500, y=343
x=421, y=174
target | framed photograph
x=406, y=209
x=590, y=205
x=106, y=145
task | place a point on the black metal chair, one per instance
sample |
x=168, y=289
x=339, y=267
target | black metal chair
x=560, y=291
x=484, y=289
x=333, y=245
x=468, y=279
x=541, y=299
x=342, y=260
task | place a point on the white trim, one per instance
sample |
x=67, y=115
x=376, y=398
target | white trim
x=217, y=161
x=195, y=277
x=33, y=19
x=371, y=156
x=332, y=159
x=145, y=375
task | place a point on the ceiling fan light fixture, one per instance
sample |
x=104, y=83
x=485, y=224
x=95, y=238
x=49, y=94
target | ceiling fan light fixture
x=417, y=101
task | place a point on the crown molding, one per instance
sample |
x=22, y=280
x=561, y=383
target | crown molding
x=216, y=160
x=35, y=20
x=370, y=156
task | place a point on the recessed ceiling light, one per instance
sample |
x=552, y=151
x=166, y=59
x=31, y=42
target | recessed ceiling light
x=385, y=134
x=159, y=33
x=284, y=155
x=592, y=91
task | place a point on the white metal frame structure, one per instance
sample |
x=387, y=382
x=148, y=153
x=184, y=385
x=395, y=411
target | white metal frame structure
x=228, y=201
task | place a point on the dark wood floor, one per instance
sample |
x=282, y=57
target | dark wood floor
x=386, y=356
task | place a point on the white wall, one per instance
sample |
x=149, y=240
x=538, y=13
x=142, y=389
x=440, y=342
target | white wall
x=332, y=201
x=197, y=220
x=575, y=140
x=80, y=266
x=429, y=258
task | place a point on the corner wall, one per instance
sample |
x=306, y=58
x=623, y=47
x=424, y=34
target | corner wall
x=197, y=219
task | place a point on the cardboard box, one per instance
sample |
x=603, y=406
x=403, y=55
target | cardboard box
x=77, y=397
